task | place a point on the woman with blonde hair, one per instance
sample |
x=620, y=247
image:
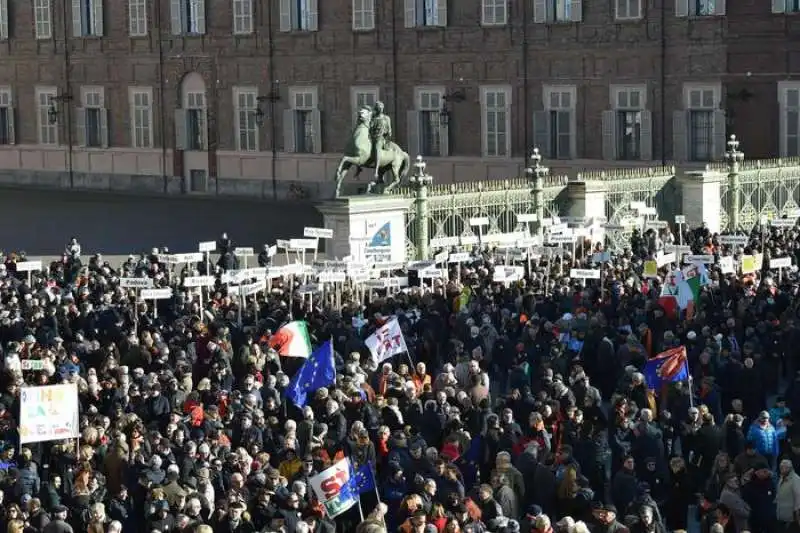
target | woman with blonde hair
x=438, y=517
x=97, y=520
x=567, y=490
x=721, y=470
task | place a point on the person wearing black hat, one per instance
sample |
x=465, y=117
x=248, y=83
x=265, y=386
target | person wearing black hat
x=58, y=524
x=605, y=519
x=161, y=519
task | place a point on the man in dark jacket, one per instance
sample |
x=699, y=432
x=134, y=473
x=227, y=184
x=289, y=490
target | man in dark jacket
x=58, y=524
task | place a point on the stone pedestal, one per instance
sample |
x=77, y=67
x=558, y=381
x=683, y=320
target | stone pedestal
x=367, y=227
x=702, y=202
x=587, y=199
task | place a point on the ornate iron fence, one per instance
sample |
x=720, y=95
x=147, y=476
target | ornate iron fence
x=450, y=206
x=655, y=186
x=766, y=187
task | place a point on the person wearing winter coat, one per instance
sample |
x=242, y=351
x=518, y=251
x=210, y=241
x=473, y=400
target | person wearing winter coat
x=624, y=486
x=505, y=496
x=764, y=437
x=732, y=499
x=787, y=498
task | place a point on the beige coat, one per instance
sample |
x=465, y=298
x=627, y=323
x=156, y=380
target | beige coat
x=787, y=497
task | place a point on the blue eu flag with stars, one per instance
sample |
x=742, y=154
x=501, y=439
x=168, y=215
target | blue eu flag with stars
x=318, y=371
x=362, y=480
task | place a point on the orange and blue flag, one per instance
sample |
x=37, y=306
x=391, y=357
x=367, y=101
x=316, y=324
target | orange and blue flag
x=667, y=367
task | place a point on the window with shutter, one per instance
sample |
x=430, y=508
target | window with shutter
x=628, y=104
x=701, y=103
x=141, y=116
x=494, y=12
x=306, y=120
x=496, y=121
x=87, y=18
x=429, y=101
x=560, y=103
x=4, y=19
x=92, y=123
x=245, y=101
x=789, y=119
x=47, y=130
x=242, y=17
x=363, y=15
x=6, y=116
x=628, y=9
x=42, y=18
x=137, y=18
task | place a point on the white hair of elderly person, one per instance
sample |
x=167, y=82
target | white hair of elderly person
x=114, y=527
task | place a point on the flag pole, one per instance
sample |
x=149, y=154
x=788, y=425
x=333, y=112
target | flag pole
x=375, y=483
x=360, y=509
x=691, y=392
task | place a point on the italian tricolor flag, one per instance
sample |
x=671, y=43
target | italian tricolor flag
x=292, y=340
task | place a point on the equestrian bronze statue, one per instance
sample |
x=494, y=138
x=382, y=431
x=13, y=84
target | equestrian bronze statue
x=370, y=146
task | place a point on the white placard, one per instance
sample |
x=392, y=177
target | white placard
x=680, y=219
x=156, y=294
x=318, y=233
x=678, y=249
x=430, y=273
x=504, y=237
x=479, y=221
x=470, y=240
x=135, y=283
x=331, y=277
x=780, y=262
x=397, y=282
x=29, y=266
x=783, y=223
x=665, y=259
x=638, y=206
x=726, y=265
x=253, y=288
x=524, y=218
x=583, y=273
x=283, y=244
x=441, y=257
x=420, y=265
x=460, y=257
x=207, y=246
x=192, y=257
x=734, y=240
x=199, y=281
x=648, y=211
x=295, y=269
x=380, y=283
x=657, y=224
x=272, y=250
x=276, y=272
x=613, y=227
x=561, y=239
x=508, y=274
x=703, y=259
x=245, y=251
x=302, y=244
x=49, y=412
x=445, y=242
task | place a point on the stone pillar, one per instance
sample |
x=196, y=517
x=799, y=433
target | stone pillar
x=734, y=158
x=420, y=181
x=701, y=197
x=536, y=174
x=587, y=199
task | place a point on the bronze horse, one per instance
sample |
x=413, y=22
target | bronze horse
x=359, y=154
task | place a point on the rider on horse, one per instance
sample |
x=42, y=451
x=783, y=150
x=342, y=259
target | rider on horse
x=380, y=131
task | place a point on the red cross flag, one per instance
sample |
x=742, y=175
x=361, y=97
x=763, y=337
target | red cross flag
x=386, y=341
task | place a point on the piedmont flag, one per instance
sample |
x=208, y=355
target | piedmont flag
x=386, y=341
x=318, y=371
x=292, y=340
x=667, y=367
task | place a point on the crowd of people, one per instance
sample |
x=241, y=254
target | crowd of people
x=519, y=407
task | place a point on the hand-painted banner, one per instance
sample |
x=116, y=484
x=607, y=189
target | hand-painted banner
x=48, y=413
